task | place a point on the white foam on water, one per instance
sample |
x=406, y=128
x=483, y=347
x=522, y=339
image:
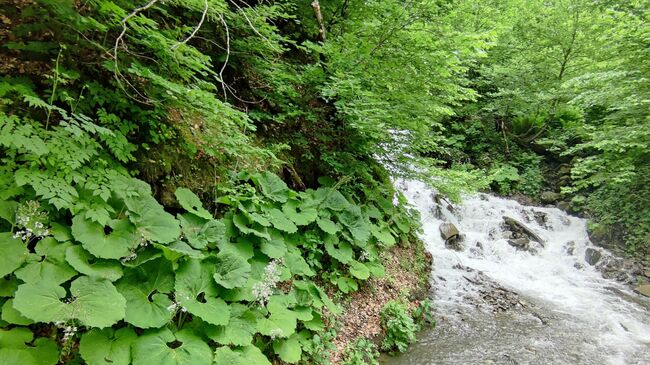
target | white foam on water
x=563, y=282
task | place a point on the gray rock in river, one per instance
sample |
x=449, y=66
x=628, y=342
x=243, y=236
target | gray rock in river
x=520, y=230
x=549, y=197
x=592, y=255
x=448, y=231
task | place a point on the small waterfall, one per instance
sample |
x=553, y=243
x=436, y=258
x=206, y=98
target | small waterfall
x=521, y=302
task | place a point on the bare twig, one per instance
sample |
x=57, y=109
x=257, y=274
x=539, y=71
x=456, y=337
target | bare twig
x=319, y=17
x=223, y=67
x=255, y=29
x=118, y=75
x=205, y=12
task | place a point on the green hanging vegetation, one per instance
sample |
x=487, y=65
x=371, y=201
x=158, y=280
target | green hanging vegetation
x=197, y=181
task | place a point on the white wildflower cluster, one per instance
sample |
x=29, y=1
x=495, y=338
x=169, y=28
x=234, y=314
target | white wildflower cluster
x=364, y=256
x=32, y=221
x=276, y=333
x=175, y=307
x=143, y=240
x=69, y=330
x=264, y=289
x=130, y=257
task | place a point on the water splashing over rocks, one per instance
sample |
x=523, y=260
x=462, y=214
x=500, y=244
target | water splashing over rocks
x=523, y=287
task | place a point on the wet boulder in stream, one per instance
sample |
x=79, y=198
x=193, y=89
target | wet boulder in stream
x=451, y=235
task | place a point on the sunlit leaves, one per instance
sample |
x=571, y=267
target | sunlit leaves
x=93, y=302
x=107, y=346
x=197, y=292
x=13, y=253
x=113, y=241
x=163, y=347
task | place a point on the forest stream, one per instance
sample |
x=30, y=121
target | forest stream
x=502, y=297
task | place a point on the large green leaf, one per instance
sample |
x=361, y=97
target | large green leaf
x=383, y=235
x=145, y=289
x=300, y=214
x=107, y=346
x=47, y=264
x=111, y=242
x=327, y=226
x=162, y=347
x=197, y=291
x=297, y=264
x=200, y=233
x=332, y=199
x=190, y=202
x=8, y=211
x=249, y=355
x=11, y=315
x=341, y=251
x=241, y=222
x=93, y=302
x=232, y=270
x=281, y=222
x=355, y=222
x=82, y=261
x=274, y=248
x=359, y=270
x=13, y=252
x=288, y=349
x=240, y=328
x=272, y=186
x=281, y=322
x=151, y=220
x=8, y=286
x=15, y=351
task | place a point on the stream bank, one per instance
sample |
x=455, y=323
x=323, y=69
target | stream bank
x=502, y=298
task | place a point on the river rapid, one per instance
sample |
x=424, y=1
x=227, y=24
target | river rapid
x=500, y=303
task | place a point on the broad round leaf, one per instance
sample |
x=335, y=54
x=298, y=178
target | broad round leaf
x=190, y=202
x=47, y=264
x=240, y=328
x=327, y=226
x=274, y=248
x=151, y=220
x=82, y=261
x=281, y=222
x=232, y=270
x=359, y=270
x=249, y=355
x=11, y=315
x=162, y=347
x=111, y=242
x=288, y=349
x=13, y=252
x=272, y=186
x=196, y=291
x=145, y=289
x=107, y=346
x=94, y=302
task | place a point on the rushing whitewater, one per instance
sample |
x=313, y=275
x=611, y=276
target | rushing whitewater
x=498, y=304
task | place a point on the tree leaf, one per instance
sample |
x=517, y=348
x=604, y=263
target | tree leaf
x=196, y=291
x=119, y=241
x=13, y=252
x=232, y=270
x=107, y=346
x=162, y=347
x=190, y=202
x=82, y=261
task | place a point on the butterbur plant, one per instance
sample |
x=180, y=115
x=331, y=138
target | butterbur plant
x=398, y=325
x=263, y=290
x=31, y=221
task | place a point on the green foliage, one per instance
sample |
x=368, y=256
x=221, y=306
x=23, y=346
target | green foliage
x=400, y=328
x=361, y=352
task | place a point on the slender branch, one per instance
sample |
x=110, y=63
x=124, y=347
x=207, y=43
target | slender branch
x=205, y=12
x=319, y=17
x=255, y=29
x=223, y=67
